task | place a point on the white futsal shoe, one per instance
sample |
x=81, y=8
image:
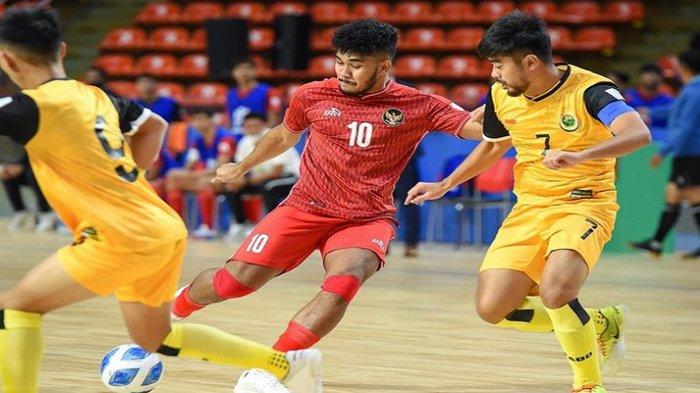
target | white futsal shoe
x=259, y=381
x=304, y=376
x=304, y=371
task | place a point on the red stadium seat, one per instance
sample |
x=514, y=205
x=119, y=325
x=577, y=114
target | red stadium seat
x=624, y=11
x=157, y=65
x=469, y=95
x=330, y=12
x=433, y=88
x=252, y=11
x=414, y=66
x=261, y=38
x=545, y=9
x=371, y=9
x=124, y=39
x=116, y=65
x=262, y=67
x=198, y=40
x=458, y=66
x=322, y=40
x=206, y=94
x=464, y=38
x=159, y=13
x=170, y=89
x=423, y=38
x=169, y=39
x=194, y=66
x=125, y=89
x=413, y=12
x=288, y=91
x=198, y=12
x=456, y=11
x=288, y=7
x=579, y=11
x=669, y=66
x=498, y=178
x=322, y=66
x=491, y=10
x=595, y=38
x=562, y=38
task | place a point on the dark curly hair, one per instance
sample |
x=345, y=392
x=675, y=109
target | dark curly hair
x=516, y=34
x=691, y=59
x=35, y=31
x=366, y=37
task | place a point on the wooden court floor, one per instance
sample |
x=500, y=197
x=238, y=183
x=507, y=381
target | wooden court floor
x=412, y=328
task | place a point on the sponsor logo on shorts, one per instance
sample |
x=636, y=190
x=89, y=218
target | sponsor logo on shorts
x=378, y=242
x=581, y=194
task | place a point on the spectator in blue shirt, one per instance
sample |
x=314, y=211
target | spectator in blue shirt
x=648, y=95
x=166, y=107
x=684, y=147
x=250, y=96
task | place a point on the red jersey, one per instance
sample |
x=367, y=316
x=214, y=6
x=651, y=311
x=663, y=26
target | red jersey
x=357, y=147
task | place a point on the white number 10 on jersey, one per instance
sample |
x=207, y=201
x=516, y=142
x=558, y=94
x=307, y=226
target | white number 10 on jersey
x=360, y=134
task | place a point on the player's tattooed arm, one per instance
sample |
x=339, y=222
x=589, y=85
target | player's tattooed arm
x=483, y=157
x=275, y=142
x=630, y=133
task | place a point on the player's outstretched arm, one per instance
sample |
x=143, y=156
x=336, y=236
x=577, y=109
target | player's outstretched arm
x=146, y=142
x=474, y=127
x=275, y=142
x=485, y=155
x=630, y=133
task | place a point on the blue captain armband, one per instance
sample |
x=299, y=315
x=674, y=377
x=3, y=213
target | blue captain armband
x=611, y=111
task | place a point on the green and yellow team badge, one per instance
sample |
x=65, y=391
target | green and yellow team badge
x=568, y=122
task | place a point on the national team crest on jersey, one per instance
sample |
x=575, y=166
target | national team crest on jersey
x=568, y=122
x=393, y=117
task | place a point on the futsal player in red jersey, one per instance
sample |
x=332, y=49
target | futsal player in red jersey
x=362, y=129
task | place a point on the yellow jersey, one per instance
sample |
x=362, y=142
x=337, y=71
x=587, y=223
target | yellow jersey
x=73, y=136
x=564, y=118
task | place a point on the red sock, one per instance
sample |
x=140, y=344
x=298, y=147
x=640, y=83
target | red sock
x=205, y=199
x=183, y=305
x=175, y=200
x=296, y=337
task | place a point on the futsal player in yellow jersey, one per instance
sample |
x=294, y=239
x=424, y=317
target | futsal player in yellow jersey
x=567, y=126
x=126, y=240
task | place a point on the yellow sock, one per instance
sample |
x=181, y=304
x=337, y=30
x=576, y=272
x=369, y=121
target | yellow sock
x=531, y=316
x=576, y=334
x=21, y=347
x=195, y=341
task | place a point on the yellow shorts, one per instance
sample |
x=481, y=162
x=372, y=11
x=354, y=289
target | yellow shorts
x=530, y=233
x=149, y=276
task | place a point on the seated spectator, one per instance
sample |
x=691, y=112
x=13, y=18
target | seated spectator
x=96, y=77
x=621, y=79
x=166, y=107
x=250, y=96
x=208, y=146
x=15, y=172
x=648, y=96
x=273, y=179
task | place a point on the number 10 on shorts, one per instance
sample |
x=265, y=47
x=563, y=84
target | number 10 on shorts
x=257, y=243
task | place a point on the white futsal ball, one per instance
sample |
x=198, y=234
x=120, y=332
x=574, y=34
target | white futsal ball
x=131, y=369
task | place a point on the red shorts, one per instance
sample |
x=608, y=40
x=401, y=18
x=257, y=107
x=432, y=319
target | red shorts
x=287, y=236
